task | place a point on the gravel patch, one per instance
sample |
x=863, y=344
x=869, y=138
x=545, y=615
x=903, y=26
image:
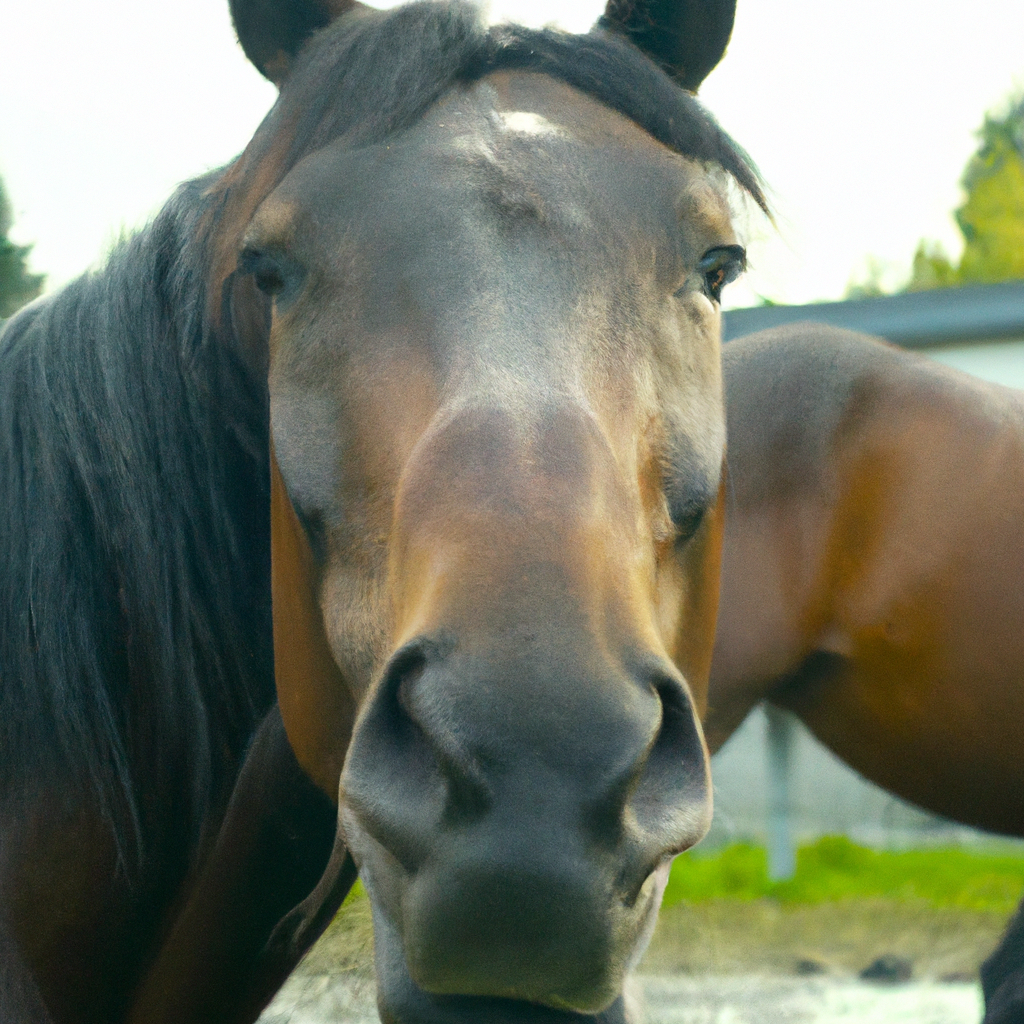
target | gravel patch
x=730, y=963
x=753, y=1000
x=326, y=999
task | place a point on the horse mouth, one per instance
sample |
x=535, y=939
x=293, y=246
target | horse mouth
x=553, y=979
x=420, y=1008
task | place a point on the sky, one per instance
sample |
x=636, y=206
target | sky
x=861, y=119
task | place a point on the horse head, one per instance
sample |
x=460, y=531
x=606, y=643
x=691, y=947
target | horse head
x=491, y=265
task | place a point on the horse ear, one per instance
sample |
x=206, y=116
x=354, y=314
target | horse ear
x=686, y=38
x=272, y=31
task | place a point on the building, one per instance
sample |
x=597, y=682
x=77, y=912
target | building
x=978, y=329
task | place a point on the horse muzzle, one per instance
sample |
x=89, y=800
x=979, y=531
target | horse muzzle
x=513, y=812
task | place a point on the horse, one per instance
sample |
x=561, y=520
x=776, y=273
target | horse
x=873, y=575
x=365, y=510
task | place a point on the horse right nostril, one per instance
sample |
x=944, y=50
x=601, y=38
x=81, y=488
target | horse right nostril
x=658, y=803
x=432, y=707
x=392, y=782
x=410, y=766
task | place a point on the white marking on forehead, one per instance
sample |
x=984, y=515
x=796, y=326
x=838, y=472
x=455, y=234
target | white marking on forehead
x=527, y=123
x=518, y=122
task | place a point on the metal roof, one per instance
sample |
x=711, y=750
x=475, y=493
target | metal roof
x=915, y=319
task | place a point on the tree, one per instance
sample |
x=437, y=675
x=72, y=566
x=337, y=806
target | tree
x=991, y=218
x=17, y=285
x=932, y=268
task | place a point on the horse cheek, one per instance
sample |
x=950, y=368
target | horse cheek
x=701, y=560
x=316, y=705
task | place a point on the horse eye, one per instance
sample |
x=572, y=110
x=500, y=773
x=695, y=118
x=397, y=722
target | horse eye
x=687, y=520
x=721, y=266
x=266, y=270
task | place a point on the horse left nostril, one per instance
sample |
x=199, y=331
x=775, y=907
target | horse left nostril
x=671, y=803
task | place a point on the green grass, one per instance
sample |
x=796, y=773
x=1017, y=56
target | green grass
x=834, y=868
x=355, y=894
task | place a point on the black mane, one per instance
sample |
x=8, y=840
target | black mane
x=135, y=623
x=135, y=650
x=373, y=73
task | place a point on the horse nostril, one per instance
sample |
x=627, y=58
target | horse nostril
x=404, y=670
x=667, y=806
x=390, y=782
x=670, y=803
x=426, y=698
x=409, y=768
x=657, y=803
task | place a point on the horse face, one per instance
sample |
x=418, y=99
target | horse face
x=496, y=406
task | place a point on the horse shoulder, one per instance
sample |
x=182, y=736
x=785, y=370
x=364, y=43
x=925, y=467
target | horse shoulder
x=790, y=392
x=916, y=664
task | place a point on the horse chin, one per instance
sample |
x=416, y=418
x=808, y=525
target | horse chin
x=401, y=1001
x=425, y=978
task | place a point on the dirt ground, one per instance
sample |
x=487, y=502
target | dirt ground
x=729, y=963
x=760, y=937
x=837, y=939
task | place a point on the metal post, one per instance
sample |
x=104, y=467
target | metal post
x=781, y=852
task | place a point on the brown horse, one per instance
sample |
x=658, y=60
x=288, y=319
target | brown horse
x=468, y=282
x=873, y=571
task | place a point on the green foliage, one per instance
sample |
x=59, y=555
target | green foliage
x=17, y=285
x=834, y=868
x=991, y=218
x=738, y=872
x=932, y=268
x=355, y=894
